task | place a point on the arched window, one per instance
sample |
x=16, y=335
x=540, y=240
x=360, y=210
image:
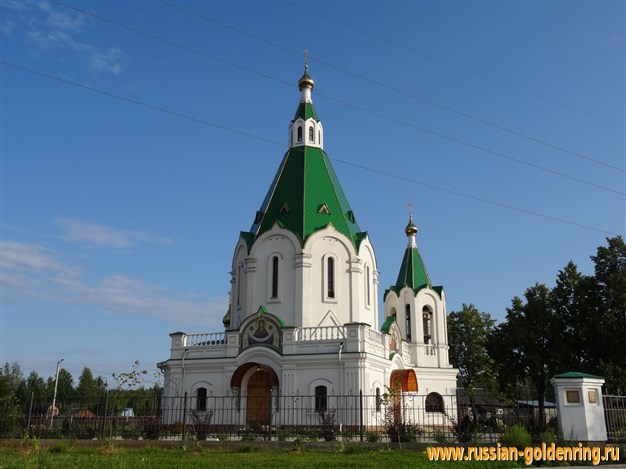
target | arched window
x=201, y=399
x=311, y=138
x=330, y=277
x=434, y=402
x=427, y=316
x=379, y=400
x=239, y=279
x=275, y=277
x=367, y=285
x=321, y=398
x=299, y=133
x=319, y=137
x=408, y=323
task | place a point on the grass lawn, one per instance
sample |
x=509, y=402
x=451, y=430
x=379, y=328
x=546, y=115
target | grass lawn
x=65, y=455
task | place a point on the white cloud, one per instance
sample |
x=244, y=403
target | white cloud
x=109, y=60
x=18, y=256
x=85, y=232
x=33, y=271
x=49, y=26
x=62, y=19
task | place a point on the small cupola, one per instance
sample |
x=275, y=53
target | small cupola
x=305, y=130
x=411, y=230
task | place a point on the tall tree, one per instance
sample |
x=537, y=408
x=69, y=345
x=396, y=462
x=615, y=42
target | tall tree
x=10, y=378
x=87, y=389
x=65, y=386
x=468, y=333
x=610, y=280
x=33, y=386
x=575, y=303
x=525, y=345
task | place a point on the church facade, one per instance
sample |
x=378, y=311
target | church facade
x=303, y=314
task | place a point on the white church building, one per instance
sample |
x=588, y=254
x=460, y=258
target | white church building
x=303, y=315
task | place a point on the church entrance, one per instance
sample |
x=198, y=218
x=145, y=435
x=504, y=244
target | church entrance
x=259, y=395
x=255, y=382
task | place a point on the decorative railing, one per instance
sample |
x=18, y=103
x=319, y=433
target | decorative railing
x=375, y=336
x=305, y=334
x=210, y=339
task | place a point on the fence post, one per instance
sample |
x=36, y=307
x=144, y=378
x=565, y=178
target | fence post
x=269, y=427
x=361, y=413
x=184, y=415
x=106, y=408
x=30, y=411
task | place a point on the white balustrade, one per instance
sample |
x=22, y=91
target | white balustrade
x=210, y=339
x=309, y=334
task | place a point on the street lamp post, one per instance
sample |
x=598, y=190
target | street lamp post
x=54, y=399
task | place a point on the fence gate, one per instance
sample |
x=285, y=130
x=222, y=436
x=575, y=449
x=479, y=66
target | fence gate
x=615, y=416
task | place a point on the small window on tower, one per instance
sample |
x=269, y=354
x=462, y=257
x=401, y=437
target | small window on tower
x=427, y=316
x=299, y=133
x=331, y=277
x=275, y=277
x=311, y=138
x=408, y=323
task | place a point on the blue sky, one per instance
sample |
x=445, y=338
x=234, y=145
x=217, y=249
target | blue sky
x=121, y=207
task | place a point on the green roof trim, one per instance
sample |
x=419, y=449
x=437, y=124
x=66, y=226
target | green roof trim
x=305, y=111
x=577, y=375
x=248, y=238
x=387, y=324
x=304, y=182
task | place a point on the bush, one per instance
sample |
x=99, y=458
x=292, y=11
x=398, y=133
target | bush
x=517, y=436
x=464, y=429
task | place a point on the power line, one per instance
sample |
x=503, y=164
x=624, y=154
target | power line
x=354, y=106
x=273, y=142
x=393, y=88
x=454, y=65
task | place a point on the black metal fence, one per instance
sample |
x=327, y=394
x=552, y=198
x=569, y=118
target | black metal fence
x=615, y=416
x=268, y=417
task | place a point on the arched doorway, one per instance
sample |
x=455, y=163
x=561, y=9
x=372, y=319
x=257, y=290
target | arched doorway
x=258, y=406
x=258, y=391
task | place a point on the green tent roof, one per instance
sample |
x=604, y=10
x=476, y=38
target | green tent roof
x=305, y=111
x=306, y=197
x=412, y=274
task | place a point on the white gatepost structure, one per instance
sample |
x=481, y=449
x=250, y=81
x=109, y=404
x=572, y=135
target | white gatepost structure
x=580, y=407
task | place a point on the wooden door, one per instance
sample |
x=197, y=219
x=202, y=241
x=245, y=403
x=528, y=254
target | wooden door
x=258, y=405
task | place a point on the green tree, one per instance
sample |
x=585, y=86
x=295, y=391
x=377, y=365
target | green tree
x=10, y=379
x=468, y=334
x=525, y=345
x=574, y=302
x=87, y=389
x=610, y=283
x=35, y=386
x=65, y=387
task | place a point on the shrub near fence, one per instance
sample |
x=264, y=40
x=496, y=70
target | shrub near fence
x=235, y=417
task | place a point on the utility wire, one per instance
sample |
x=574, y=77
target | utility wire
x=273, y=142
x=454, y=65
x=354, y=106
x=391, y=87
